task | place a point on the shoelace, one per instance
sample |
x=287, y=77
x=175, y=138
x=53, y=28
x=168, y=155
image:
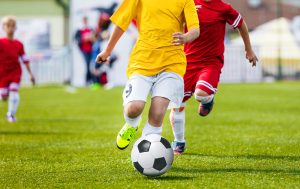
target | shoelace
x=129, y=134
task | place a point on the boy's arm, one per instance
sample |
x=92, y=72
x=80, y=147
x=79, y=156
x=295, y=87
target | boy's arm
x=192, y=24
x=121, y=18
x=181, y=38
x=32, y=79
x=250, y=55
x=114, y=38
x=26, y=61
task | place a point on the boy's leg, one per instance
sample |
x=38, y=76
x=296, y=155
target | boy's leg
x=134, y=98
x=206, y=101
x=206, y=88
x=13, y=101
x=4, y=84
x=158, y=108
x=88, y=59
x=177, y=118
x=167, y=92
x=177, y=115
x=3, y=94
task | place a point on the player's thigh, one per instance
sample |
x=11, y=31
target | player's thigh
x=190, y=81
x=208, y=79
x=14, y=79
x=4, y=84
x=170, y=86
x=137, y=89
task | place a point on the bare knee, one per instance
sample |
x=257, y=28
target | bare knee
x=134, y=109
x=203, y=97
x=199, y=92
x=4, y=97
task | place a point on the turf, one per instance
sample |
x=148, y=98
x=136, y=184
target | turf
x=64, y=140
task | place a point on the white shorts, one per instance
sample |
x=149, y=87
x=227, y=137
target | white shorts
x=166, y=84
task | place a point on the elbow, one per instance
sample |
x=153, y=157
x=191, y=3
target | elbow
x=197, y=33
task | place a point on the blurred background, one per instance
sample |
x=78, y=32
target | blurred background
x=53, y=31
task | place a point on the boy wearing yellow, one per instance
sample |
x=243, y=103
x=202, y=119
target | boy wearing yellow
x=157, y=62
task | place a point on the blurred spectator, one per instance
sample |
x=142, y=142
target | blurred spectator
x=101, y=71
x=84, y=39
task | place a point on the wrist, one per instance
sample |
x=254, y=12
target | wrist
x=186, y=38
x=107, y=51
x=248, y=49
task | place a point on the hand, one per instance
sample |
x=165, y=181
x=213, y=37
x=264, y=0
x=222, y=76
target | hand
x=250, y=55
x=102, y=57
x=179, y=39
x=32, y=79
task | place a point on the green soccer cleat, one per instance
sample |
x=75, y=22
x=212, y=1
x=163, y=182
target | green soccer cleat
x=125, y=136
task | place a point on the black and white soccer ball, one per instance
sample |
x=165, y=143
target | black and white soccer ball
x=152, y=155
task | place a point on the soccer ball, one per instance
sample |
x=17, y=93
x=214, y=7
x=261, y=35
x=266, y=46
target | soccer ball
x=152, y=155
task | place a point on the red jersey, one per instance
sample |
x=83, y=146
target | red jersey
x=86, y=44
x=213, y=16
x=11, y=51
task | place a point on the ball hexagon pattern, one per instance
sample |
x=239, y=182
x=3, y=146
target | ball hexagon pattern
x=144, y=146
x=152, y=155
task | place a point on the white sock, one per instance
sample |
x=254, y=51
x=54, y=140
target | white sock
x=177, y=120
x=149, y=129
x=134, y=122
x=204, y=99
x=13, y=102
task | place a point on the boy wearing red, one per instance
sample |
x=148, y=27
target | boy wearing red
x=85, y=43
x=205, y=59
x=11, y=51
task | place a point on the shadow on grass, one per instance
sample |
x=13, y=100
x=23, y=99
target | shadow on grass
x=52, y=120
x=32, y=133
x=170, y=178
x=248, y=156
x=235, y=170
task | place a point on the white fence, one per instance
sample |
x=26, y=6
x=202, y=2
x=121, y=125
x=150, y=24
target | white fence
x=237, y=68
x=50, y=67
x=56, y=67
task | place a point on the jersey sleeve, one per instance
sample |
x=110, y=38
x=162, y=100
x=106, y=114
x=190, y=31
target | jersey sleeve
x=125, y=13
x=191, y=16
x=23, y=56
x=233, y=17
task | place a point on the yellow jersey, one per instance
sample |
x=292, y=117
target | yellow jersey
x=156, y=20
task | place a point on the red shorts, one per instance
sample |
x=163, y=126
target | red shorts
x=9, y=81
x=204, y=76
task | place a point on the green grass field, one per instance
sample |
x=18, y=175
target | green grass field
x=63, y=140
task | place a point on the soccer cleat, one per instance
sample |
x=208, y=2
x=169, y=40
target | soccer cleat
x=178, y=147
x=205, y=109
x=125, y=136
x=11, y=118
x=95, y=86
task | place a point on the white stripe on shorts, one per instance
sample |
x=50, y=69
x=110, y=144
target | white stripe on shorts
x=14, y=86
x=208, y=85
x=3, y=91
